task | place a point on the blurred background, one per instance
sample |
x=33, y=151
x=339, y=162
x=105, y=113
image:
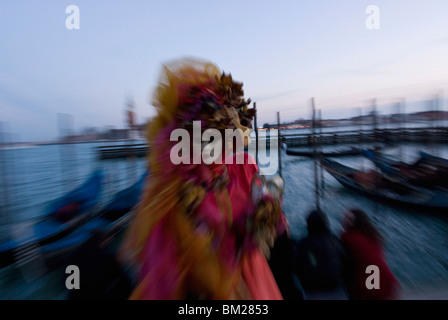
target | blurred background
x=76, y=82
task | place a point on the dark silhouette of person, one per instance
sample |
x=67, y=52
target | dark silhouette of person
x=320, y=261
x=281, y=262
x=101, y=275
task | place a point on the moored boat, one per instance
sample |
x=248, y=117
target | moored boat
x=377, y=186
x=109, y=222
x=62, y=216
x=427, y=171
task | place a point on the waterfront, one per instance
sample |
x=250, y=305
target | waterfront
x=416, y=241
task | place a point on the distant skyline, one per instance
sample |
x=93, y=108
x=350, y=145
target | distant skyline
x=285, y=52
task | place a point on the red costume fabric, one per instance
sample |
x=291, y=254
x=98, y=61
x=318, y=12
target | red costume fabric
x=364, y=252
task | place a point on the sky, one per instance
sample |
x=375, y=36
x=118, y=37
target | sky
x=285, y=52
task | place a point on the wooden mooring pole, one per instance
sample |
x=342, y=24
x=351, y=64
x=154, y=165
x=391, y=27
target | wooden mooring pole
x=322, y=181
x=256, y=133
x=279, y=146
x=315, y=158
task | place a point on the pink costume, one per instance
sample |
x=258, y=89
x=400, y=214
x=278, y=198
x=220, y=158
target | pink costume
x=160, y=254
x=201, y=230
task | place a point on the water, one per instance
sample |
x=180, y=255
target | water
x=416, y=241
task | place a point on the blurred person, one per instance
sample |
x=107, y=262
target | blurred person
x=202, y=231
x=102, y=277
x=281, y=261
x=320, y=260
x=364, y=245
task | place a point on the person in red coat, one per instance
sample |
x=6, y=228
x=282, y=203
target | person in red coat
x=364, y=246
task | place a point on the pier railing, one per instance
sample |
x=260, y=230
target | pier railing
x=122, y=151
x=389, y=135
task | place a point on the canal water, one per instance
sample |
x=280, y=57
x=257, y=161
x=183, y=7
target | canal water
x=416, y=241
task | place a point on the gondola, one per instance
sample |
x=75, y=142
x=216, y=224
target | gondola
x=109, y=222
x=61, y=217
x=378, y=186
x=427, y=171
